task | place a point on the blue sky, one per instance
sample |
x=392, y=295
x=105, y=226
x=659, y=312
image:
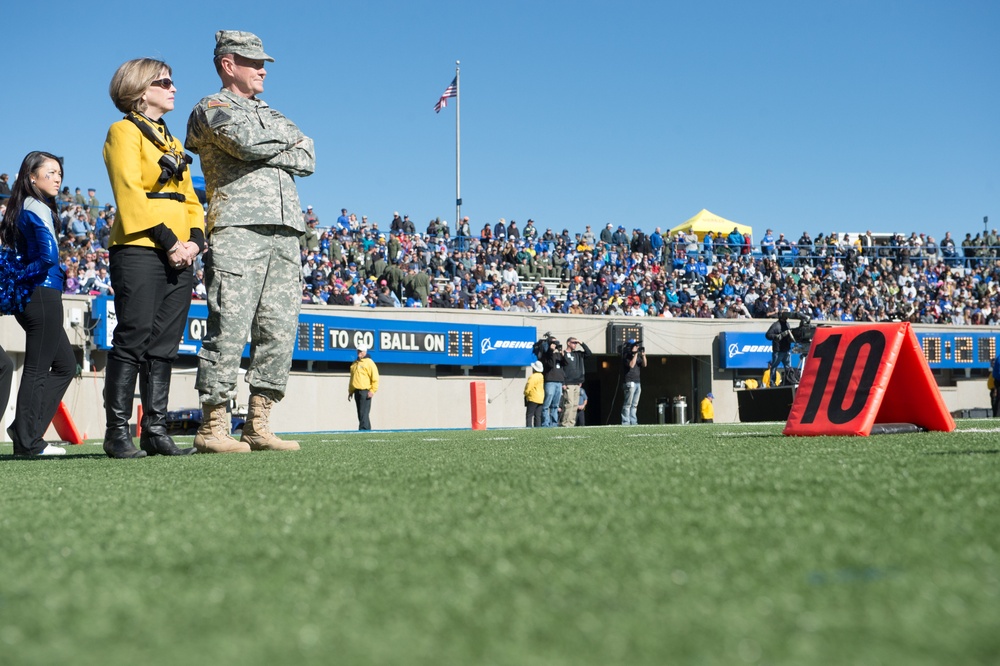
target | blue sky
x=825, y=116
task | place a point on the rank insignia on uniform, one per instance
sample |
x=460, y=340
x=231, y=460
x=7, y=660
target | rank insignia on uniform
x=212, y=104
x=218, y=118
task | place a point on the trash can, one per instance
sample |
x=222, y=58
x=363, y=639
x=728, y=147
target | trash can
x=680, y=409
x=661, y=410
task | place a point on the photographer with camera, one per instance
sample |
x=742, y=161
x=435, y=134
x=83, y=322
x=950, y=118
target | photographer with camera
x=780, y=336
x=633, y=360
x=554, y=376
x=574, y=357
x=541, y=346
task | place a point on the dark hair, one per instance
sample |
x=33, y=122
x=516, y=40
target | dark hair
x=24, y=188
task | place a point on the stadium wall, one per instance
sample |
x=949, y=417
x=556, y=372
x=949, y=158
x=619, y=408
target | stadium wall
x=683, y=361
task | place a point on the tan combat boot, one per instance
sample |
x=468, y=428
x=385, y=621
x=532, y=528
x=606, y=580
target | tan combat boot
x=257, y=431
x=213, y=434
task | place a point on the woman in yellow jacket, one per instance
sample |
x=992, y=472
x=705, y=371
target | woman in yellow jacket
x=158, y=233
x=534, y=396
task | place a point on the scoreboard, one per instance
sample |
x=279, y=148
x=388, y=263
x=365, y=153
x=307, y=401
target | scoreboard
x=958, y=350
x=336, y=337
x=943, y=351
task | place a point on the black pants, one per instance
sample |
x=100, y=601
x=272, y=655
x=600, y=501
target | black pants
x=151, y=304
x=533, y=415
x=364, y=405
x=6, y=376
x=49, y=367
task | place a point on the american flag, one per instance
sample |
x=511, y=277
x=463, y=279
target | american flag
x=450, y=91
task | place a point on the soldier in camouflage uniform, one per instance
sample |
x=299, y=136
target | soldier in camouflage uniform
x=250, y=155
x=418, y=284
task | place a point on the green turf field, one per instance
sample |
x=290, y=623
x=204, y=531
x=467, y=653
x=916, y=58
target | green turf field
x=724, y=544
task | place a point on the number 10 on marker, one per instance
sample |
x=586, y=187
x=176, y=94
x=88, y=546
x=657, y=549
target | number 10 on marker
x=857, y=376
x=826, y=353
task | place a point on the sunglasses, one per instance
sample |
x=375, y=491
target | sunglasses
x=166, y=84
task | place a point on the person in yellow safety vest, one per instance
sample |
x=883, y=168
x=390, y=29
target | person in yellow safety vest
x=708, y=409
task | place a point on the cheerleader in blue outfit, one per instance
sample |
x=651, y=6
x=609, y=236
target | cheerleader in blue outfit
x=29, y=226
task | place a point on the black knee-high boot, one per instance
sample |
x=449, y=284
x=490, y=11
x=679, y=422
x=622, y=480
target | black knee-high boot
x=154, y=389
x=119, y=390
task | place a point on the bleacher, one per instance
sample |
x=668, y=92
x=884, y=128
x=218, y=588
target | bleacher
x=553, y=286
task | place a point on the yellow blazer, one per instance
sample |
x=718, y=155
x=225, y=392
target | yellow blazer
x=131, y=160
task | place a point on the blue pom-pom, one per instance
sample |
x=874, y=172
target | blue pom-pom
x=15, y=291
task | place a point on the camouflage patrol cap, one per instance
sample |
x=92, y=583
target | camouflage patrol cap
x=241, y=43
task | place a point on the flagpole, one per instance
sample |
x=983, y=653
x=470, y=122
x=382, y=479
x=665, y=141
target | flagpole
x=458, y=151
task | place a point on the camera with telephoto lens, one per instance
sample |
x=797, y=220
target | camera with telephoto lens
x=805, y=331
x=542, y=346
x=173, y=165
x=628, y=349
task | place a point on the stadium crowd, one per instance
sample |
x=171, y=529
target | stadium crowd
x=502, y=267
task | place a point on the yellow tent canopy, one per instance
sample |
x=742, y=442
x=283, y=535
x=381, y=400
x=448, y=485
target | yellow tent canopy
x=706, y=221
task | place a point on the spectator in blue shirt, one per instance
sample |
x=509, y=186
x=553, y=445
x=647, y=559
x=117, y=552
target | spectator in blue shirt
x=767, y=244
x=656, y=242
x=620, y=237
x=736, y=241
x=344, y=222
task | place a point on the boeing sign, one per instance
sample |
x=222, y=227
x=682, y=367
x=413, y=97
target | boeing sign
x=751, y=351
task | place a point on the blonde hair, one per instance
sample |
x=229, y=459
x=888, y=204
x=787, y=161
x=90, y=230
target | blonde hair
x=131, y=81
